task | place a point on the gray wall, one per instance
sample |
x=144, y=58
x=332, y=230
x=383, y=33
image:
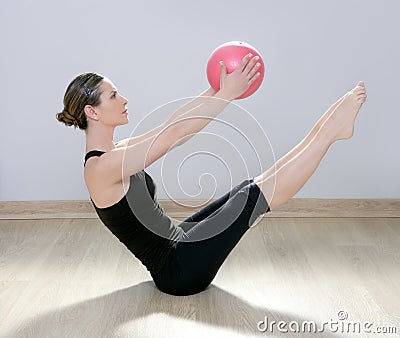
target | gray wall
x=156, y=51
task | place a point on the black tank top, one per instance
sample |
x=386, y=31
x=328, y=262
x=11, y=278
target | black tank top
x=139, y=222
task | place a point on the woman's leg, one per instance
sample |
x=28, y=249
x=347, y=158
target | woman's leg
x=209, y=209
x=212, y=207
x=279, y=184
x=197, y=257
x=300, y=146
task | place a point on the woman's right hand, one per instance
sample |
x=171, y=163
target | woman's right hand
x=236, y=83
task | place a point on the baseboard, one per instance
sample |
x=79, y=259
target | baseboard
x=298, y=207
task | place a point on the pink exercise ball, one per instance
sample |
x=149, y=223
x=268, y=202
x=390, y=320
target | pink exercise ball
x=231, y=53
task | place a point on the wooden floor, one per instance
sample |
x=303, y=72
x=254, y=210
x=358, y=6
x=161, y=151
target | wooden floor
x=72, y=278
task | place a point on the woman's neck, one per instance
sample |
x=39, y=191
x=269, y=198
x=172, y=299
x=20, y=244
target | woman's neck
x=100, y=138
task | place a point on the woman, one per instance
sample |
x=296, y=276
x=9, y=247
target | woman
x=183, y=259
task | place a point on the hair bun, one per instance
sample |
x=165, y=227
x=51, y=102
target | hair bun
x=66, y=118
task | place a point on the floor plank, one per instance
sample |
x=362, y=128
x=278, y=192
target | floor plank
x=71, y=277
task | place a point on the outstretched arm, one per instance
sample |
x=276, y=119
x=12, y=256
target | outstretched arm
x=183, y=123
x=196, y=114
x=199, y=100
x=190, y=122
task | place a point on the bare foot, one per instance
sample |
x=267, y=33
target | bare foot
x=328, y=113
x=340, y=123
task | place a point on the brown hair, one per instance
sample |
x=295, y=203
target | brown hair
x=82, y=91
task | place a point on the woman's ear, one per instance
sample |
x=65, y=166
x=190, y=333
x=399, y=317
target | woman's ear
x=91, y=112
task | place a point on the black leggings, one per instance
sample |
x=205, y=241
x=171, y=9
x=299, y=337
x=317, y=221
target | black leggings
x=210, y=235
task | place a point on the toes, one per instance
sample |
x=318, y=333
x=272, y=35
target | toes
x=362, y=98
x=359, y=90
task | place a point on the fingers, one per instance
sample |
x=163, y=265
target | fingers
x=222, y=72
x=254, y=78
x=245, y=74
x=248, y=63
x=249, y=66
x=244, y=62
x=223, y=68
x=254, y=70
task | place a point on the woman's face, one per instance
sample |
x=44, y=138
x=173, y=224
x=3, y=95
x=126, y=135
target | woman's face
x=112, y=110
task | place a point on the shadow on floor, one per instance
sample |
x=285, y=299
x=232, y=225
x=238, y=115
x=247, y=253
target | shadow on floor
x=103, y=316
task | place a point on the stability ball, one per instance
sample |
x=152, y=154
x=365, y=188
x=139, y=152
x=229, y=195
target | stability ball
x=231, y=53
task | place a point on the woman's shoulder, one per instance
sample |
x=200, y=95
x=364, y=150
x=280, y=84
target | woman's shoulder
x=93, y=153
x=90, y=161
x=103, y=190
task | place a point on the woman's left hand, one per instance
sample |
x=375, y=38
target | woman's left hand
x=236, y=83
